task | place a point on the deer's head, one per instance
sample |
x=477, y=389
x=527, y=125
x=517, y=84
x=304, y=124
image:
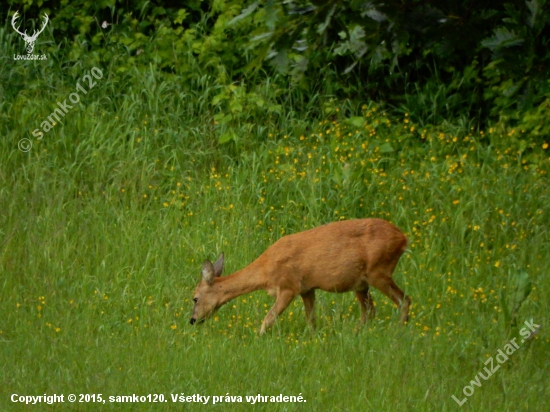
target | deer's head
x=205, y=297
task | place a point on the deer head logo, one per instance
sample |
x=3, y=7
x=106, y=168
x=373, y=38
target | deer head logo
x=29, y=40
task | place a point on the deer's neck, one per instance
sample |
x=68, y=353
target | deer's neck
x=240, y=283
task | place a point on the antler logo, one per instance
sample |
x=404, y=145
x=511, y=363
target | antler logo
x=29, y=40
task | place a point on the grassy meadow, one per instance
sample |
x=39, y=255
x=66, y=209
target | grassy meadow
x=106, y=220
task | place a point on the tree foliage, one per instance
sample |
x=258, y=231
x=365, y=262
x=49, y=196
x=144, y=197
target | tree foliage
x=490, y=56
x=484, y=59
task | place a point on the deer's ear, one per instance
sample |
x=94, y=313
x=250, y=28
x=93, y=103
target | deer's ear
x=218, y=266
x=208, y=273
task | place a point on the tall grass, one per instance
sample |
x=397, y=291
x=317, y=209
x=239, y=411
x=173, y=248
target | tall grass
x=106, y=221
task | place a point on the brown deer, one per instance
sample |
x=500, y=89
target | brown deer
x=337, y=257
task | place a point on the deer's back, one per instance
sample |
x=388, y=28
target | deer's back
x=335, y=257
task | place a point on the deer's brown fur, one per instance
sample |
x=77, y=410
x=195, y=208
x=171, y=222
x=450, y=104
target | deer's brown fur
x=342, y=256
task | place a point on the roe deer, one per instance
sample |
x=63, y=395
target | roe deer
x=337, y=257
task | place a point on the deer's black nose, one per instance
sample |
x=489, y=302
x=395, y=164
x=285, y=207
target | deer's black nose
x=192, y=321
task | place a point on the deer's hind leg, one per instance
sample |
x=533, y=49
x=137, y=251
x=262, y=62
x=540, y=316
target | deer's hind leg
x=388, y=287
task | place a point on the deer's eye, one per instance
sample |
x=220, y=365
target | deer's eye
x=195, y=300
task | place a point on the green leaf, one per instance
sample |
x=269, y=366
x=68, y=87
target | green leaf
x=356, y=121
x=245, y=13
x=182, y=14
x=386, y=148
x=502, y=38
x=216, y=99
x=376, y=15
x=534, y=7
x=323, y=26
x=223, y=118
x=281, y=61
x=235, y=107
x=522, y=291
x=505, y=310
x=275, y=108
x=271, y=16
x=261, y=36
x=227, y=137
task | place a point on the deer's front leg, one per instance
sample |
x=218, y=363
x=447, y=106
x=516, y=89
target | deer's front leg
x=367, y=306
x=283, y=300
x=309, y=302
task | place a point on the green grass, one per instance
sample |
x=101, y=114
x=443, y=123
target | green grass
x=106, y=221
